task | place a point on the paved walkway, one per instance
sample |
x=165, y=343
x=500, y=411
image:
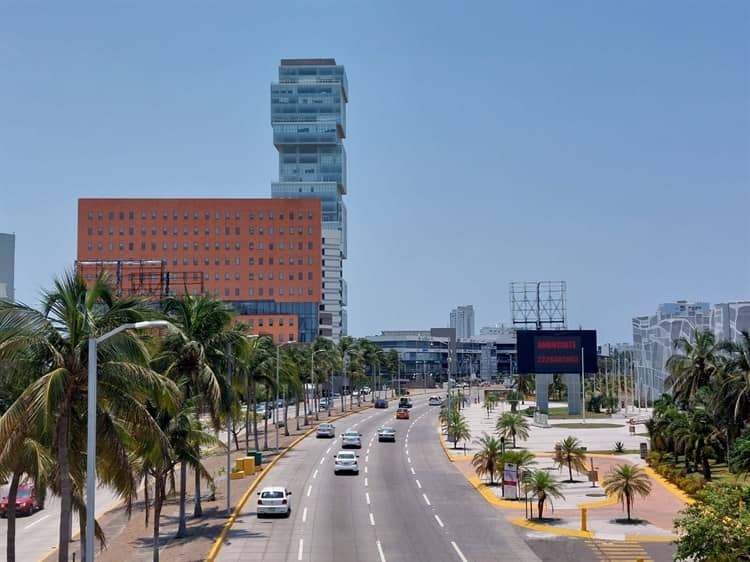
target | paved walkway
x=653, y=515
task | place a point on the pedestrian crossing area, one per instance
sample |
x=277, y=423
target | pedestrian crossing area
x=618, y=551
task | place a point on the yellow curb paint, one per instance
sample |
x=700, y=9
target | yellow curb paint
x=238, y=508
x=650, y=538
x=679, y=494
x=521, y=522
x=444, y=446
x=492, y=498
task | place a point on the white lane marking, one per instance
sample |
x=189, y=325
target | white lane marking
x=334, y=442
x=367, y=458
x=30, y=525
x=419, y=484
x=309, y=490
x=365, y=482
x=322, y=460
x=304, y=515
x=368, y=450
x=426, y=499
x=328, y=450
x=408, y=459
x=458, y=551
x=372, y=520
x=438, y=520
x=407, y=451
x=412, y=470
x=380, y=552
x=299, y=552
x=365, y=470
x=367, y=497
x=315, y=474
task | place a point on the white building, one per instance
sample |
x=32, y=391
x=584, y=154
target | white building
x=462, y=319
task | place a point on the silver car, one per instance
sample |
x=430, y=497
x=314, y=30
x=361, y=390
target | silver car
x=386, y=434
x=346, y=461
x=326, y=429
x=351, y=438
x=274, y=500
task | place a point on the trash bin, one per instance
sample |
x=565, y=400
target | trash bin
x=258, y=456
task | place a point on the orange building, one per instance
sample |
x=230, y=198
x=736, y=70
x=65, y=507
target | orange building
x=263, y=256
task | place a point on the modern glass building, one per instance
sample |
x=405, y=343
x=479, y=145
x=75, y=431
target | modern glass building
x=7, y=267
x=308, y=117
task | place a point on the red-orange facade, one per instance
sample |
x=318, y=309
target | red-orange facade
x=263, y=256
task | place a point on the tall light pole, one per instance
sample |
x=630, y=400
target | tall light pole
x=276, y=405
x=91, y=423
x=312, y=381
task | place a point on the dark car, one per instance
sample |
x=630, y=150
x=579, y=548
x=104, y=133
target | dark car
x=381, y=403
x=27, y=501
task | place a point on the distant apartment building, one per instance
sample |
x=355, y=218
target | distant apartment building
x=7, y=266
x=308, y=117
x=730, y=319
x=462, y=319
x=262, y=256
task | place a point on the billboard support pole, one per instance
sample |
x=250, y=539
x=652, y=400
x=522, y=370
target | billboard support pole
x=583, y=389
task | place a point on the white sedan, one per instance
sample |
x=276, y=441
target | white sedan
x=274, y=500
x=351, y=438
x=346, y=461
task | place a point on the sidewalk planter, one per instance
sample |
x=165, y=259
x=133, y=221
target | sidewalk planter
x=237, y=475
x=246, y=464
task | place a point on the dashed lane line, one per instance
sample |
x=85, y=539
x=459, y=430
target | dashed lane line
x=380, y=552
x=372, y=520
x=438, y=520
x=315, y=474
x=412, y=470
x=458, y=551
x=419, y=484
x=367, y=497
x=322, y=460
x=304, y=515
x=299, y=552
x=309, y=490
x=426, y=499
x=365, y=482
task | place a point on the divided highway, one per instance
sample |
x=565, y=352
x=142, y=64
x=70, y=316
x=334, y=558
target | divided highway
x=407, y=503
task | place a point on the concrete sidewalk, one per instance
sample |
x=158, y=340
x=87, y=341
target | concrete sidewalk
x=652, y=516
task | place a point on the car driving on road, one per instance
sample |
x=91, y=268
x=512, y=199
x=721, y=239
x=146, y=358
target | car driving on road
x=326, y=429
x=386, y=434
x=402, y=414
x=274, y=500
x=404, y=402
x=435, y=401
x=27, y=501
x=381, y=403
x=351, y=438
x=346, y=461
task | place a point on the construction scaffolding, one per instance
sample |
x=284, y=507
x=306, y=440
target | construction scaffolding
x=143, y=278
x=539, y=304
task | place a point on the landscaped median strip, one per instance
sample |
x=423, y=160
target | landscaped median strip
x=523, y=522
x=679, y=494
x=243, y=500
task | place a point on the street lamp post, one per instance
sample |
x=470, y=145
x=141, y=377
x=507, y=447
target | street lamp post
x=276, y=405
x=312, y=381
x=91, y=423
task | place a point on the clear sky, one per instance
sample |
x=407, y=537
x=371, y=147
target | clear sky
x=602, y=143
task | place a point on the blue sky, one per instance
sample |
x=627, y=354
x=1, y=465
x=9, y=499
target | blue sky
x=602, y=143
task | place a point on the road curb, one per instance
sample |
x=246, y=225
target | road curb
x=521, y=522
x=674, y=490
x=214, y=552
x=490, y=497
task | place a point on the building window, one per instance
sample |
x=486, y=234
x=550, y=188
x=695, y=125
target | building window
x=281, y=261
x=270, y=291
x=291, y=322
x=260, y=275
x=226, y=292
x=237, y=230
x=309, y=245
x=260, y=321
x=130, y=246
x=227, y=276
x=270, y=230
x=309, y=291
x=237, y=277
x=251, y=261
x=270, y=276
x=270, y=321
x=270, y=245
x=90, y=246
x=260, y=292
x=260, y=261
x=251, y=246
x=260, y=230
x=281, y=291
x=281, y=275
x=237, y=292
x=251, y=276
x=143, y=245
x=226, y=231
x=91, y=216
x=90, y=231
x=261, y=246
x=131, y=231
x=251, y=293
x=291, y=337
x=260, y=216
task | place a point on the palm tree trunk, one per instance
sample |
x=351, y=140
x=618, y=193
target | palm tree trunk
x=540, y=506
x=10, y=550
x=286, y=417
x=304, y=408
x=198, y=509
x=82, y=534
x=145, y=496
x=627, y=505
x=182, y=527
x=247, y=418
x=570, y=470
x=255, y=418
x=158, y=498
x=265, y=428
x=706, y=467
x=66, y=499
x=296, y=411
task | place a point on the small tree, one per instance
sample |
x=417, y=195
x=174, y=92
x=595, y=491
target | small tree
x=626, y=481
x=510, y=426
x=715, y=527
x=457, y=428
x=489, y=457
x=513, y=398
x=541, y=484
x=569, y=452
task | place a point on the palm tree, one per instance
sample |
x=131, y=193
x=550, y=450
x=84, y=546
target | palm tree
x=626, y=481
x=489, y=457
x=735, y=370
x=541, y=484
x=346, y=349
x=570, y=452
x=693, y=366
x=513, y=397
x=193, y=358
x=457, y=428
x=58, y=339
x=510, y=426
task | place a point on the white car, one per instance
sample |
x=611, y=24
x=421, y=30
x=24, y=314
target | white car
x=326, y=429
x=346, y=461
x=351, y=438
x=435, y=401
x=274, y=500
x=386, y=434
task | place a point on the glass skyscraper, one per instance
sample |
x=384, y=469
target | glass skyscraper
x=308, y=116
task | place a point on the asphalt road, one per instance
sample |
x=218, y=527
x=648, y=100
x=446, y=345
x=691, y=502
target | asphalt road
x=408, y=504
x=37, y=534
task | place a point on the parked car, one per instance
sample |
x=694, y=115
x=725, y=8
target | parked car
x=346, y=461
x=386, y=434
x=435, y=401
x=351, y=438
x=260, y=411
x=27, y=501
x=326, y=429
x=323, y=404
x=381, y=403
x=402, y=414
x=274, y=500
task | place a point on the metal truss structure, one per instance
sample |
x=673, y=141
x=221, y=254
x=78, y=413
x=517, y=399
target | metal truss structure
x=143, y=278
x=539, y=304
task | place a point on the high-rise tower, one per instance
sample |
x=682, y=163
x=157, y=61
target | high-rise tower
x=308, y=116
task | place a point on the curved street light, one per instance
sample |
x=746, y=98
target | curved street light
x=91, y=423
